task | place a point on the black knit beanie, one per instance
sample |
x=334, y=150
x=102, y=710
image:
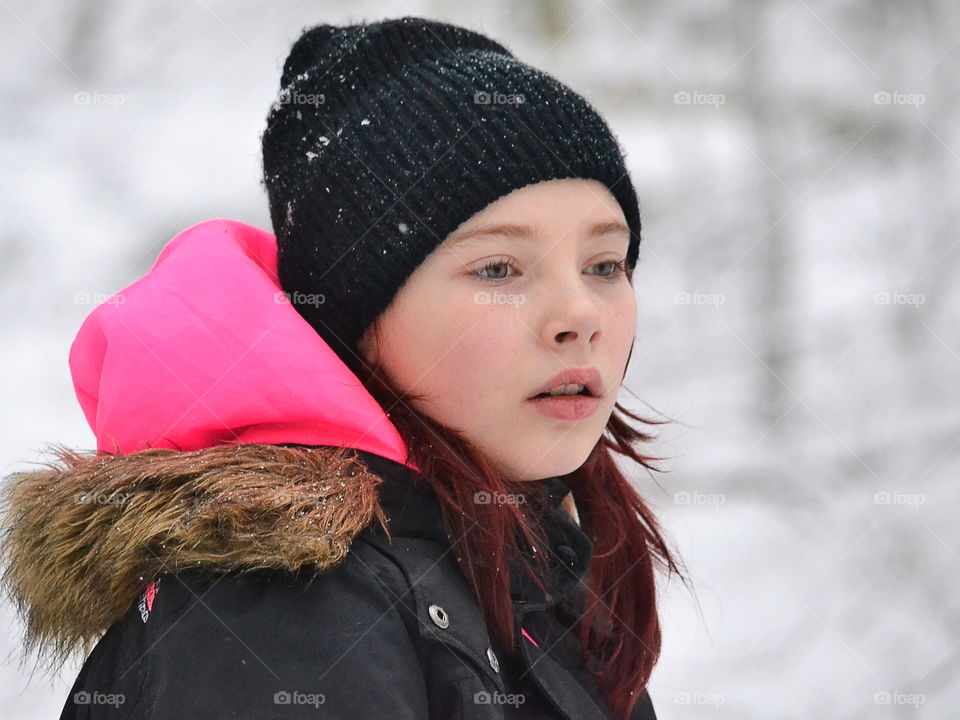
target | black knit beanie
x=387, y=136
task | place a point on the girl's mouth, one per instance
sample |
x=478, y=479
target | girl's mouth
x=566, y=407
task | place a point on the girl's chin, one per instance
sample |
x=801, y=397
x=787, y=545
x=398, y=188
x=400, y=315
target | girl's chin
x=555, y=466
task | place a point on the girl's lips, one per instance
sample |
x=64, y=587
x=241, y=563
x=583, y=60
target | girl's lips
x=588, y=376
x=568, y=407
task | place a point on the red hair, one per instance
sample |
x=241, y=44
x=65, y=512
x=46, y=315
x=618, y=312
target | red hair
x=619, y=629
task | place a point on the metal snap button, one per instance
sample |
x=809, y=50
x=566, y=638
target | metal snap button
x=494, y=663
x=439, y=616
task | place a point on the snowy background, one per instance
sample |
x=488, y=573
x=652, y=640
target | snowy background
x=797, y=164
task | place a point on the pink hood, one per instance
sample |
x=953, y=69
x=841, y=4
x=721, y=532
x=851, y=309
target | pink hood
x=205, y=349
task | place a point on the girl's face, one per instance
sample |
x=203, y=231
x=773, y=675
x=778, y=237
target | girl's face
x=487, y=320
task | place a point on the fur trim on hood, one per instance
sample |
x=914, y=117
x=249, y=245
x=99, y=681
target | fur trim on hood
x=84, y=536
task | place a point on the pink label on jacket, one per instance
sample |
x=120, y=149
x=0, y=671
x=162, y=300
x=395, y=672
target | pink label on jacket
x=151, y=593
x=145, y=605
x=527, y=636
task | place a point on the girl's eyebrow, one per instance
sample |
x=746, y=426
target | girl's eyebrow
x=523, y=232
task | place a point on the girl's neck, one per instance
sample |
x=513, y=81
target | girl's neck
x=570, y=507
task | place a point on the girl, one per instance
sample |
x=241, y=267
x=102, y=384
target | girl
x=358, y=467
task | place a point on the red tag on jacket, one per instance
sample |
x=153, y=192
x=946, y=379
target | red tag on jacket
x=146, y=600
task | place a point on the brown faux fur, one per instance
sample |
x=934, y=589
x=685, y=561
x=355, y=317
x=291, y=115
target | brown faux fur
x=83, y=537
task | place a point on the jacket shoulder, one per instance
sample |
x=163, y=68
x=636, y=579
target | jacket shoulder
x=243, y=644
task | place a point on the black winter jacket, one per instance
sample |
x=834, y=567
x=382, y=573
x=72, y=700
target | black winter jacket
x=391, y=630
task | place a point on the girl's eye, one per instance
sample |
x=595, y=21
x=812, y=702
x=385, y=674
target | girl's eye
x=617, y=268
x=495, y=263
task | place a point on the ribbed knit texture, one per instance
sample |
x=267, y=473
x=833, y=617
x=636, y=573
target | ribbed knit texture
x=378, y=147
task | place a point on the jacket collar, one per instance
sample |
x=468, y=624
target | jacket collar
x=413, y=510
x=83, y=536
